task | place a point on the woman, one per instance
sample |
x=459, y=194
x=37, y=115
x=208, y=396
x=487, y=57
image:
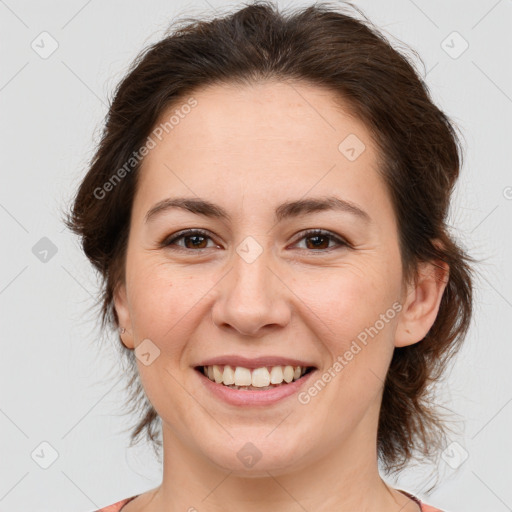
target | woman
x=267, y=209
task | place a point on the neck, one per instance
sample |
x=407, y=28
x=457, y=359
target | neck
x=345, y=479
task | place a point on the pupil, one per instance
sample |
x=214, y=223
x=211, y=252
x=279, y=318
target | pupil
x=195, y=237
x=317, y=237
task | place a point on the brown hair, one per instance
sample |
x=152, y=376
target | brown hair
x=420, y=159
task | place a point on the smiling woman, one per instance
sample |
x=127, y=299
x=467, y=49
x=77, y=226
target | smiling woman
x=278, y=263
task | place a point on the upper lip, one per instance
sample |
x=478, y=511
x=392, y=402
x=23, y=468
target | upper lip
x=252, y=363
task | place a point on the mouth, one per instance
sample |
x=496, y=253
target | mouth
x=255, y=379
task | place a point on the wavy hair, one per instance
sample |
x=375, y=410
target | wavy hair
x=420, y=156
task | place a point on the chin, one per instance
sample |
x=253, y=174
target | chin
x=254, y=456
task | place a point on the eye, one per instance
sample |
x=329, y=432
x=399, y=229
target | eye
x=319, y=238
x=196, y=237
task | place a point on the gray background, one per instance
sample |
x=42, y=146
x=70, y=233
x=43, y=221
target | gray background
x=59, y=387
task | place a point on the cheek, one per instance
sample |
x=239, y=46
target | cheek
x=347, y=299
x=360, y=317
x=168, y=303
x=160, y=298
x=355, y=312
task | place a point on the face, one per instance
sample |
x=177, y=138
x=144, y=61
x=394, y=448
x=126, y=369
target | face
x=253, y=283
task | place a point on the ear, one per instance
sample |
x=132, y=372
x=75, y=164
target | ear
x=123, y=315
x=421, y=303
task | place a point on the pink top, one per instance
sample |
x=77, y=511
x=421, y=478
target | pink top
x=116, y=507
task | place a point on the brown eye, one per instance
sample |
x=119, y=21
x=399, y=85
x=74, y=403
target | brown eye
x=320, y=239
x=316, y=240
x=193, y=239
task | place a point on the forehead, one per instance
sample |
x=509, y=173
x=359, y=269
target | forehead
x=231, y=116
x=271, y=138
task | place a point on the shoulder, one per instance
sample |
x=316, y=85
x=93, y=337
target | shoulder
x=428, y=508
x=424, y=507
x=116, y=507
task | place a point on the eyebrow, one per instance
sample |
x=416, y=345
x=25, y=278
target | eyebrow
x=289, y=209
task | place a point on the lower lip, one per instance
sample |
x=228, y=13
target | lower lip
x=247, y=397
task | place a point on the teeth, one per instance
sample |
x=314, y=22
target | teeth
x=263, y=377
x=276, y=375
x=242, y=376
x=217, y=374
x=260, y=378
x=288, y=373
x=228, y=377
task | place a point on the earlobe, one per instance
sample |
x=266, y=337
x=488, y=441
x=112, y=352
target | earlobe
x=421, y=303
x=123, y=315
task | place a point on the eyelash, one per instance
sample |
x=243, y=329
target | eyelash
x=306, y=234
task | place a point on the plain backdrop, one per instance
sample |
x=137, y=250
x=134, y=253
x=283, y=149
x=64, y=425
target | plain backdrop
x=63, y=443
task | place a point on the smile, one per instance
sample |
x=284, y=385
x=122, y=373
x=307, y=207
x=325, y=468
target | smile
x=266, y=377
x=262, y=386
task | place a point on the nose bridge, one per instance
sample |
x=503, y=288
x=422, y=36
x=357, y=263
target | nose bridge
x=251, y=297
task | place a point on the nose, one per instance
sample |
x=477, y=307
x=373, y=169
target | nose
x=252, y=298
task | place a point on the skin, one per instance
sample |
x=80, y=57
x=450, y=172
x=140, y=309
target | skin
x=248, y=149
